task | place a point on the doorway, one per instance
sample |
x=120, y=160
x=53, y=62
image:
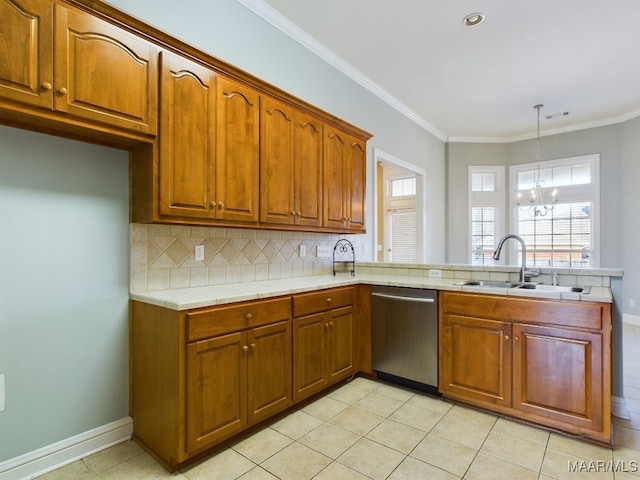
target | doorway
x=399, y=210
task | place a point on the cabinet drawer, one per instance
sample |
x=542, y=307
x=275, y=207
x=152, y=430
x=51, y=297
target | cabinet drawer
x=309, y=303
x=523, y=310
x=239, y=316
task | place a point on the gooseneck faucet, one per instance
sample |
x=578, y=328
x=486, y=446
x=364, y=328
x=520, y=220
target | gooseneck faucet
x=496, y=252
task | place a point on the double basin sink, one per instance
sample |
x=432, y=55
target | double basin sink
x=527, y=286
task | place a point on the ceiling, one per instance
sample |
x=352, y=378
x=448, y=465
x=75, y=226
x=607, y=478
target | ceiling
x=480, y=83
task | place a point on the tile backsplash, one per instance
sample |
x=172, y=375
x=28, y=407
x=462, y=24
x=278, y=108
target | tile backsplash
x=162, y=256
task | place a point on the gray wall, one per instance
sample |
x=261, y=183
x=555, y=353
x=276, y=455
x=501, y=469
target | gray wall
x=64, y=263
x=630, y=231
x=238, y=36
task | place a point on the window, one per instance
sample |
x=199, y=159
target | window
x=486, y=207
x=402, y=187
x=566, y=235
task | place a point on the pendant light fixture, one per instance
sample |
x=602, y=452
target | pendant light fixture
x=539, y=205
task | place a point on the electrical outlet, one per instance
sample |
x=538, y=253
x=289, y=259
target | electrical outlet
x=199, y=255
x=323, y=251
x=2, y=391
x=302, y=250
x=435, y=273
x=632, y=303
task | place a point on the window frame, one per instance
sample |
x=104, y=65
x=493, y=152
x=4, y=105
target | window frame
x=566, y=194
x=494, y=199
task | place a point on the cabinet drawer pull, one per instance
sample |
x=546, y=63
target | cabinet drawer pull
x=329, y=300
x=248, y=316
x=63, y=91
x=46, y=86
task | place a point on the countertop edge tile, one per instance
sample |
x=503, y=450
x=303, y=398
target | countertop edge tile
x=199, y=297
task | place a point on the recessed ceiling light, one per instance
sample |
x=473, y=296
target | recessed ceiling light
x=473, y=19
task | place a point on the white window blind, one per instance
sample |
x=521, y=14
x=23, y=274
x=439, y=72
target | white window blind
x=403, y=237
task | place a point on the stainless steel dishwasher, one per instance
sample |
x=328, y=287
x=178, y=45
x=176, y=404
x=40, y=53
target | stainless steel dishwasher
x=405, y=336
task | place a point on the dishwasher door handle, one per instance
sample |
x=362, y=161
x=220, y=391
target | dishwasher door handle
x=404, y=299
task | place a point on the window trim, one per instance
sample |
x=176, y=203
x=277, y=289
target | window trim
x=583, y=192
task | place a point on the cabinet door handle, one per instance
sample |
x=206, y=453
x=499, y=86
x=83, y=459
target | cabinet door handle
x=46, y=86
x=293, y=212
x=213, y=204
x=506, y=337
x=253, y=346
x=63, y=91
x=220, y=205
x=245, y=348
x=298, y=213
x=326, y=325
x=516, y=338
x=330, y=324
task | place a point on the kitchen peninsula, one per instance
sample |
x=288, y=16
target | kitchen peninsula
x=251, y=350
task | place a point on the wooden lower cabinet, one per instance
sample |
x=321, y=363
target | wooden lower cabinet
x=201, y=376
x=324, y=340
x=236, y=380
x=517, y=356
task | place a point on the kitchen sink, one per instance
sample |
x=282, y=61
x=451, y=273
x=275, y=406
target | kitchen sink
x=527, y=286
x=556, y=288
x=489, y=284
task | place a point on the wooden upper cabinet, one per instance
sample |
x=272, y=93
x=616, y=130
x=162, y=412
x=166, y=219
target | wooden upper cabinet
x=277, y=166
x=104, y=74
x=335, y=215
x=290, y=166
x=187, y=138
x=238, y=152
x=356, y=182
x=308, y=170
x=26, y=54
x=344, y=181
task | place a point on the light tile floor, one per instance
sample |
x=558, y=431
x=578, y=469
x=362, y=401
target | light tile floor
x=371, y=430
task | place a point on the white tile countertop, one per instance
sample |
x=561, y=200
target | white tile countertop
x=197, y=297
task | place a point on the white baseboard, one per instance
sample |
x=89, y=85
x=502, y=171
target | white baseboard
x=628, y=318
x=66, y=451
x=619, y=408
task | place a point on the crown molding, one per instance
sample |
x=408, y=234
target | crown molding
x=275, y=18
x=556, y=131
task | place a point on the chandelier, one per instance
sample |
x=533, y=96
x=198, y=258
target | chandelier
x=539, y=206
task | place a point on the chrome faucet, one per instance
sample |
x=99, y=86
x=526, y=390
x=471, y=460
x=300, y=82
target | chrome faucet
x=496, y=252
